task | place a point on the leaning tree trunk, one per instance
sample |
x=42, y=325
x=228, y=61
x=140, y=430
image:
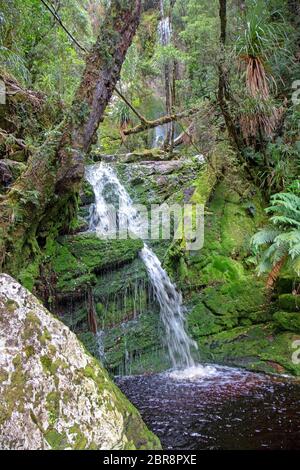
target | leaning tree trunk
x=43, y=199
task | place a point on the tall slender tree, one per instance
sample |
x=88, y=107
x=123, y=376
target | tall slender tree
x=223, y=95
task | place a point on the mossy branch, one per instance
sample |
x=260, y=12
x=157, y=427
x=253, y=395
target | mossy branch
x=145, y=125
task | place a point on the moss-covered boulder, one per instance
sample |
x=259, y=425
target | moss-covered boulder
x=257, y=347
x=53, y=394
x=99, y=254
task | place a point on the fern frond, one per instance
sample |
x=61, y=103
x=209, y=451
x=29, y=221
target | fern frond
x=291, y=238
x=295, y=265
x=264, y=236
x=283, y=220
x=294, y=251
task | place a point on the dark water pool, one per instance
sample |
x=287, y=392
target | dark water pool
x=227, y=409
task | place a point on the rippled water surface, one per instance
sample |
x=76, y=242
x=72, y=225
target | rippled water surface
x=223, y=408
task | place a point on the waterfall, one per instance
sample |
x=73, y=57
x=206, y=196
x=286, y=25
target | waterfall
x=171, y=311
x=103, y=179
x=164, y=32
x=100, y=345
x=160, y=134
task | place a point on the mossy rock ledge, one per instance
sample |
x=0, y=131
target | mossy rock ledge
x=54, y=395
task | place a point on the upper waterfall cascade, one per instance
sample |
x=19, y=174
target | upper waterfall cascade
x=164, y=32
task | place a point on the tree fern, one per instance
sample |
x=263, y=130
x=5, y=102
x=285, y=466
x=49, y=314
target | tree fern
x=279, y=244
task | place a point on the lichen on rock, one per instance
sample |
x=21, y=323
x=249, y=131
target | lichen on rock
x=54, y=395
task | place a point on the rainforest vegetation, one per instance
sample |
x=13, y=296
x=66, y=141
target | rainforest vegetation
x=185, y=101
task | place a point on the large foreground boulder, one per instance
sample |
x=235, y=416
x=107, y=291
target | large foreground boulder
x=53, y=394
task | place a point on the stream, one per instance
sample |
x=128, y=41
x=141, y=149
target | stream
x=223, y=409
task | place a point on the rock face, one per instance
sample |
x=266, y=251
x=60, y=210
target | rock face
x=54, y=395
x=228, y=313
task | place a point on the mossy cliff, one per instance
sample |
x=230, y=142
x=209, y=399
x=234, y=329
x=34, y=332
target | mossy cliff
x=54, y=394
x=229, y=313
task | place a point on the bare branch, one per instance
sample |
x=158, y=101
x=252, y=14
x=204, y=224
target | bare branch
x=141, y=118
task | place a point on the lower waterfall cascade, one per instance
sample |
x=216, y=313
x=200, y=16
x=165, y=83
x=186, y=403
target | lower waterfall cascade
x=102, y=177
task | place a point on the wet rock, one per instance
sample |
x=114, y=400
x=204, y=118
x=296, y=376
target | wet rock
x=10, y=170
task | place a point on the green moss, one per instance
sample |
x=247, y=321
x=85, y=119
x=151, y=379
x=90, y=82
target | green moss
x=287, y=321
x=3, y=375
x=51, y=366
x=11, y=305
x=32, y=326
x=53, y=406
x=202, y=322
x=13, y=396
x=98, y=254
x=257, y=348
x=80, y=439
x=289, y=302
x=78, y=258
x=44, y=337
x=56, y=440
x=221, y=268
x=203, y=185
x=125, y=345
x=46, y=362
x=29, y=351
x=29, y=275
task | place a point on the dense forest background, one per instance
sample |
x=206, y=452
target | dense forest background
x=244, y=78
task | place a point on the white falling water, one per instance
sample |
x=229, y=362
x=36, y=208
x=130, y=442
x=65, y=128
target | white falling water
x=171, y=311
x=101, y=176
x=160, y=133
x=164, y=35
x=100, y=345
x=165, y=31
x=164, y=26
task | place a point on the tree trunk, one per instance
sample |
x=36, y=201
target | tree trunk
x=273, y=276
x=44, y=198
x=167, y=69
x=91, y=309
x=173, y=94
x=223, y=95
